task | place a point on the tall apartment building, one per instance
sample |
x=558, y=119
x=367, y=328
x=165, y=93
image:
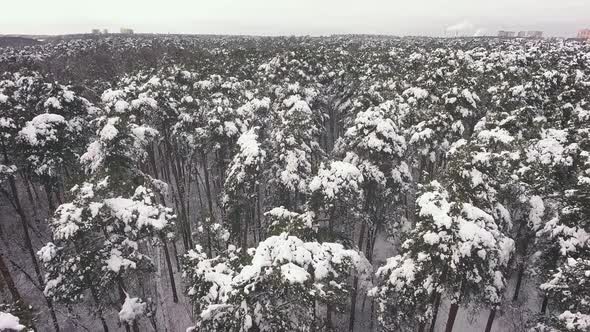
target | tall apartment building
x=534, y=34
x=126, y=31
x=521, y=34
x=503, y=33
x=584, y=34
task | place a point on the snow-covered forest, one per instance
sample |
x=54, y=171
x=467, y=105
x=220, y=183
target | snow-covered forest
x=346, y=183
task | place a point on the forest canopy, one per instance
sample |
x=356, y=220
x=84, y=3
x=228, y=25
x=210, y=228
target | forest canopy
x=345, y=183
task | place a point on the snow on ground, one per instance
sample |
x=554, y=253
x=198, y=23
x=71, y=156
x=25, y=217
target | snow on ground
x=9, y=322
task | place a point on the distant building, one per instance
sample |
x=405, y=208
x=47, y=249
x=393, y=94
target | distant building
x=126, y=31
x=506, y=34
x=105, y=31
x=534, y=34
x=584, y=34
x=520, y=34
x=95, y=31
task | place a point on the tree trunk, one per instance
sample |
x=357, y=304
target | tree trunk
x=209, y=200
x=170, y=273
x=162, y=237
x=372, y=317
x=421, y=327
x=32, y=201
x=29, y=245
x=523, y=245
x=105, y=327
x=245, y=230
x=519, y=278
x=184, y=202
x=330, y=306
x=353, y=305
x=452, y=315
x=544, y=304
x=235, y=217
x=355, y=283
x=198, y=181
x=179, y=200
x=435, y=313
x=258, y=213
x=329, y=317
x=51, y=205
x=490, y=320
x=371, y=237
x=176, y=256
x=16, y=296
x=182, y=215
x=7, y=277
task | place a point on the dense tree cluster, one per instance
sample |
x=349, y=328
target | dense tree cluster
x=258, y=182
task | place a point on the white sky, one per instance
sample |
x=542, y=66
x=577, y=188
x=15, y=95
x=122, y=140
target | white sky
x=286, y=17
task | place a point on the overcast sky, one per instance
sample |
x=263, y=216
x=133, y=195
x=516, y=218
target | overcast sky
x=300, y=17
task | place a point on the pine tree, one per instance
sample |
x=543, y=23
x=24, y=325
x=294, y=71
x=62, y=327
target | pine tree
x=563, y=229
x=275, y=286
x=241, y=184
x=294, y=151
x=98, y=234
x=18, y=97
x=456, y=249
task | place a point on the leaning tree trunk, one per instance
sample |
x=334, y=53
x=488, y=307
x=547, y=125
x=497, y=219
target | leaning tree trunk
x=490, y=320
x=32, y=201
x=29, y=245
x=7, y=277
x=9, y=282
x=28, y=242
x=176, y=256
x=170, y=272
x=452, y=315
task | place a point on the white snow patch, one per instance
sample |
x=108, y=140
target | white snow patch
x=132, y=309
x=10, y=322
